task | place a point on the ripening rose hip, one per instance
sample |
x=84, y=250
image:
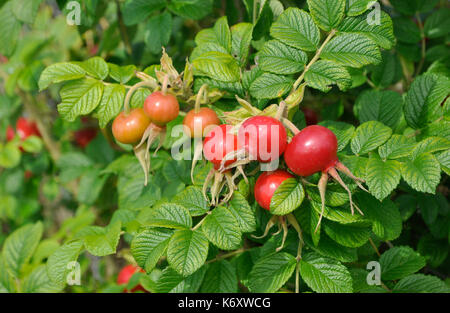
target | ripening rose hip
x=197, y=121
x=129, y=128
x=314, y=149
x=161, y=108
x=266, y=185
x=125, y=275
x=263, y=137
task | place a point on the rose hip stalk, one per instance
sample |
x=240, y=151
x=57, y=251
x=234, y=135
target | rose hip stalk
x=198, y=122
x=219, y=142
x=314, y=149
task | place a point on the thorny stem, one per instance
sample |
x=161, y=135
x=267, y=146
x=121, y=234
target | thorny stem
x=146, y=83
x=424, y=45
x=123, y=30
x=374, y=247
x=313, y=60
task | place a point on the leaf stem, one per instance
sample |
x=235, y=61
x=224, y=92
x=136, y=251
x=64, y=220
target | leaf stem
x=313, y=60
x=227, y=255
x=201, y=222
x=374, y=247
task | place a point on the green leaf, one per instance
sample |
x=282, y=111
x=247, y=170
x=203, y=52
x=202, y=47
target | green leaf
x=241, y=210
x=110, y=104
x=330, y=248
x=322, y=74
x=222, y=229
x=408, y=7
x=32, y=144
x=398, y=146
x=383, y=106
x=434, y=251
x=192, y=199
x=10, y=155
x=420, y=283
x=60, y=72
x=308, y=219
x=10, y=27
x=223, y=33
x=353, y=50
x=158, y=31
x=149, y=245
x=39, y=282
x=382, y=177
x=91, y=184
x=171, y=281
x=339, y=214
x=7, y=284
x=438, y=24
x=101, y=241
x=369, y=136
x=385, y=216
x=430, y=145
x=191, y=9
x=387, y=72
x=270, y=86
x=444, y=160
x=357, y=7
x=349, y=235
x=136, y=11
x=138, y=98
x=26, y=10
x=422, y=102
x=325, y=275
x=343, y=131
x=220, y=277
x=271, y=272
x=20, y=246
x=95, y=67
x=399, y=262
x=276, y=57
x=57, y=264
x=288, y=196
x=169, y=215
x=296, y=28
x=217, y=65
x=187, y=251
x=121, y=74
x=79, y=97
x=406, y=30
x=423, y=173
x=241, y=37
x=328, y=14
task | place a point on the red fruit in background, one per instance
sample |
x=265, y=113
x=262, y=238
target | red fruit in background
x=311, y=117
x=125, y=275
x=161, y=108
x=10, y=133
x=28, y=174
x=218, y=143
x=26, y=128
x=264, y=138
x=199, y=121
x=266, y=184
x=84, y=136
x=312, y=150
x=129, y=128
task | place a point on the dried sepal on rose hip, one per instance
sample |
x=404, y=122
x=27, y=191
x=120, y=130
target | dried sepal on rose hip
x=313, y=150
x=219, y=142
